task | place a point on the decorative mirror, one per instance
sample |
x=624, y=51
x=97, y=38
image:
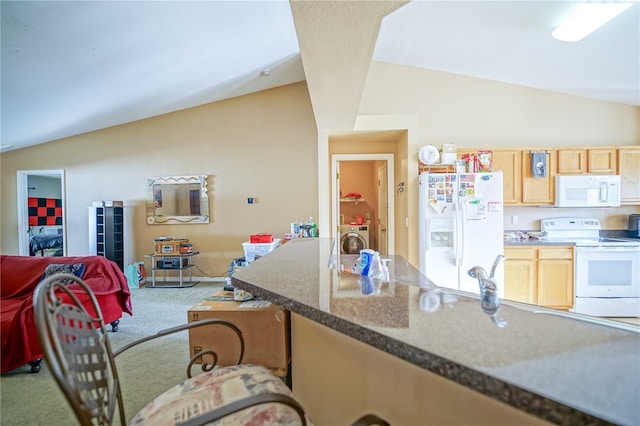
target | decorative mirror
x=177, y=199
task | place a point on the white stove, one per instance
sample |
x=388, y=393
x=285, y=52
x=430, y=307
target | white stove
x=606, y=270
x=580, y=231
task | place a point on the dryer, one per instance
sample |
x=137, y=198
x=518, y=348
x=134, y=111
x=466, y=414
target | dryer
x=353, y=238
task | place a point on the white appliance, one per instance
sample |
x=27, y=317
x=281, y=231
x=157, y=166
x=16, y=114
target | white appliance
x=588, y=191
x=353, y=238
x=606, y=270
x=461, y=226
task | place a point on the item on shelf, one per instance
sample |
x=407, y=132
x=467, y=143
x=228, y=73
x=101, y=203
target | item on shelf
x=449, y=153
x=307, y=229
x=428, y=155
x=485, y=160
x=173, y=246
x=471, y=160
x=261, y=238
x=172, y=263
x=353, y=196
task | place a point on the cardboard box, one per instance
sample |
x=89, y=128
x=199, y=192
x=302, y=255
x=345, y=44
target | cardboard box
x=265, y=331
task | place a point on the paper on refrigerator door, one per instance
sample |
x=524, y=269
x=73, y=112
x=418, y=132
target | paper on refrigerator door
x=438, y=206
x=485, y=187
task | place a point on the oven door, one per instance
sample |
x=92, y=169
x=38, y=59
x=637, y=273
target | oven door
x=607, y=271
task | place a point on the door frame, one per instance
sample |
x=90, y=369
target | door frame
x=335, y=194
x=22, y=194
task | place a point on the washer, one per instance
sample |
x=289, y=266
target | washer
x=353, y=238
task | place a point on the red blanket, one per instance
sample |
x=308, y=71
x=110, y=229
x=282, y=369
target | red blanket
x=19, y=276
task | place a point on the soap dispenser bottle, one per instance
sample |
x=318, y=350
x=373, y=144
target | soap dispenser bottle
x=385, y=270
x=376, y=267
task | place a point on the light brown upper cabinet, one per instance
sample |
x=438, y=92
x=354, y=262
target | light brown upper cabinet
x=509, y=162
x=538, y=190
x=574, y=160
x=629, y=171
x=601, y=160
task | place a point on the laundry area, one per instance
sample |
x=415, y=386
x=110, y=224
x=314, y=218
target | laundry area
x=358, y=206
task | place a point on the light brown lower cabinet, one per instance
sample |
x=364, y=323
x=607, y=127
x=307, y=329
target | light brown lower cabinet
x=539, y=275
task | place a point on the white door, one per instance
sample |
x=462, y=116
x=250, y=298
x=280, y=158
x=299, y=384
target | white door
x=438, y=227
x=481, y=222
x=383, y=213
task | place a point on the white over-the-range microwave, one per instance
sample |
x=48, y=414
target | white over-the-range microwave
x=588, y=191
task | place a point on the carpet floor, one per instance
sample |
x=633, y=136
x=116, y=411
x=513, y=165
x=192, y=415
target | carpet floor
x=145, y=370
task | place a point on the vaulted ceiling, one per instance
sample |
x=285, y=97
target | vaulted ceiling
x=78, y=66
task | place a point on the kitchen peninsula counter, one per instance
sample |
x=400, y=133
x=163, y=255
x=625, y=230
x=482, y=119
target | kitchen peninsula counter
x=392, y=345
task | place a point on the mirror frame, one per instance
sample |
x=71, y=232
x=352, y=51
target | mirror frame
x=152, y=219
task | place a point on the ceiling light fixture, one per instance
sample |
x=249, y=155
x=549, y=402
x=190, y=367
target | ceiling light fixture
x=586, y=18
x=265, y=73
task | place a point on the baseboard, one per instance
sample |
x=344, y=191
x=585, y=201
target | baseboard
x=211, y=279
x=221, y=280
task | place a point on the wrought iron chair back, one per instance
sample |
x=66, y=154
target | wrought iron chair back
x=78, y=351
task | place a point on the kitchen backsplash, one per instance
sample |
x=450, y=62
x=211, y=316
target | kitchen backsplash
x=528, y=218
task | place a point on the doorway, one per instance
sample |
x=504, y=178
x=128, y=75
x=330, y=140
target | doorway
x=375, y=207
x=41, y=213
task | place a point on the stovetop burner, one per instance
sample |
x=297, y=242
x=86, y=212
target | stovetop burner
x=581, y=231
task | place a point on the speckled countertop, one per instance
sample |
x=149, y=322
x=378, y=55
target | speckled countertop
x=532, y=242
x=564, y=368
x=621, y=234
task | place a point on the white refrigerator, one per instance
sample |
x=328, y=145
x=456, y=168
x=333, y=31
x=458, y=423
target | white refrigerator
x=461, y=226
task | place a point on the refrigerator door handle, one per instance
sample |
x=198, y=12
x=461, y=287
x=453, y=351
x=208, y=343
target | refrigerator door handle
x=428, y=236
x=460, y=220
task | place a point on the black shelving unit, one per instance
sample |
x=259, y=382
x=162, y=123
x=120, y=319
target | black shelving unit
x=109, y=233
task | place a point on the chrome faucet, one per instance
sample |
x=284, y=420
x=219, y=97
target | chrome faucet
x=489, y=290
x=496, y=262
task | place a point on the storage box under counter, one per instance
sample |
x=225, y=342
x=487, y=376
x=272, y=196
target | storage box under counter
x=264, y=327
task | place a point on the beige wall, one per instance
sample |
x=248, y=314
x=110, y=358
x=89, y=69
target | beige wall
x=261, y=145
x=253, y=145
x=473, y=112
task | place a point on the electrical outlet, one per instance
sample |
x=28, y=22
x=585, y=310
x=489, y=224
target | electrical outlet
x=250, y=200
x=368, y=216
x=514, y=219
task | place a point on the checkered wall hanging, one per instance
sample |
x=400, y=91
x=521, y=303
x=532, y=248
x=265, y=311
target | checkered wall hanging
x=45, y=211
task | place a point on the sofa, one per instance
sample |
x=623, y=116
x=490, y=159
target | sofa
x=19, y=276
